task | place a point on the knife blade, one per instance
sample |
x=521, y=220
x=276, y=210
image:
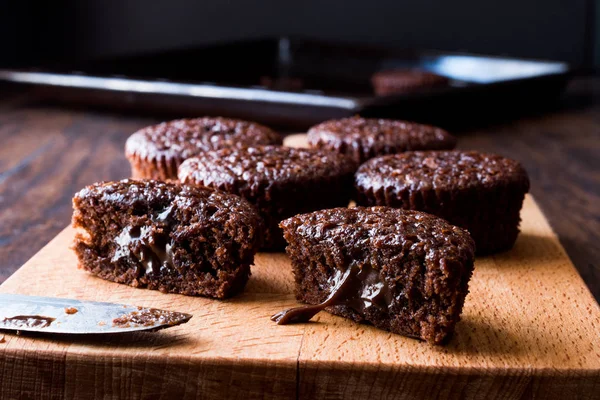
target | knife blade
x=69, y=316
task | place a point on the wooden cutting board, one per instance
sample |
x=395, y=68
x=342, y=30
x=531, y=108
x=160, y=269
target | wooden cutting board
x=530, y=328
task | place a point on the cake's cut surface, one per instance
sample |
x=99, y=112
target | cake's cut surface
x=365, y=138
x=480, y=192
x=403, y=271
x=398, y=81
x=156, y=151
x=279, y=181
x=166, y=236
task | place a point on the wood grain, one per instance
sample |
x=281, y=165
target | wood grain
x=530, y=329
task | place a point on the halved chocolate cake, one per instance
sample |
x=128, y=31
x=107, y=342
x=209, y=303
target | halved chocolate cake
x=166, y=236
x=402, y=271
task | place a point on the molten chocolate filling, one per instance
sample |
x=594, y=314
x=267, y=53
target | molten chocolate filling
x=152, y=248
x=357, y=288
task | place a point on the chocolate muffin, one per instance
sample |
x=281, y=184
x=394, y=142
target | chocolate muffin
x=166, y=236
x=403, y=271
x=279, y=181
x=397, y=81
x=157, y=151
x=363, y=138
x=480, y=192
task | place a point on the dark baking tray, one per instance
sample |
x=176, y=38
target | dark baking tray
x=299, y=82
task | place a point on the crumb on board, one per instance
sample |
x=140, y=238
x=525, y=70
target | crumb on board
x=71, y=310
x=101, y=323
x=147, y=317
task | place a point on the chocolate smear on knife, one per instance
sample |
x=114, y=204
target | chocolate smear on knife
x=28, y=321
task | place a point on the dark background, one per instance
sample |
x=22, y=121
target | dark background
x=39, y=32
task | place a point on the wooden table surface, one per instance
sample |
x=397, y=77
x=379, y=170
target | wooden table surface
x=47, y=153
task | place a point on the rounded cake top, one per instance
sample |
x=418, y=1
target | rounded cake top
x=163, y=199
x=379, y=228
x=266, y=165
x=440, y=170
x=186, y=138
x=367, y=138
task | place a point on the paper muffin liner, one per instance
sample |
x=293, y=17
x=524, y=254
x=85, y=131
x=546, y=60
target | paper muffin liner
x=160, y=168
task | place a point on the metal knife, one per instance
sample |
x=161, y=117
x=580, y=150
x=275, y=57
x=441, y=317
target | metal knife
x=57, y=315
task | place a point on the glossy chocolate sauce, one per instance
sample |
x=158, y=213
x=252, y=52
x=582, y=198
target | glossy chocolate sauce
x=28, y=321
x=150, y=247
x=358, y=288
